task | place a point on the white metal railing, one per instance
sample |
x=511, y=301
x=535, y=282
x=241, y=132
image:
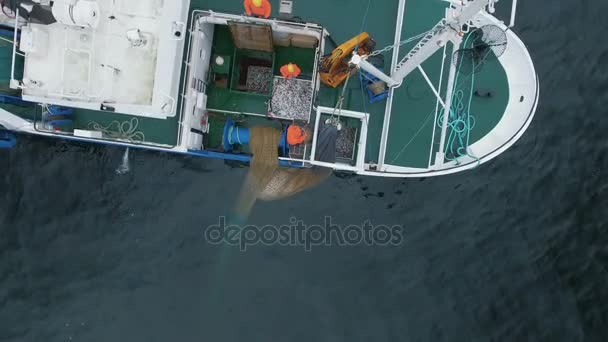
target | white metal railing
x=389, y=102
x=447, y=29
x=361, y=146
x=513, y=12
x=14, y=83
x=443, y=59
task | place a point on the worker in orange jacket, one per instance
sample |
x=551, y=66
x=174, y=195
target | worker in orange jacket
x=290, y=70
x=258, y=8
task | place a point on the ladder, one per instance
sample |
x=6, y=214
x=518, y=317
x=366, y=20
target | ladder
x=445, y=30
x=417, y=55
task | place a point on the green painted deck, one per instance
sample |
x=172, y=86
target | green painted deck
x=410, y=140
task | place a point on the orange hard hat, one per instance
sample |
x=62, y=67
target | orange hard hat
x=257, y=3
x=296, y=135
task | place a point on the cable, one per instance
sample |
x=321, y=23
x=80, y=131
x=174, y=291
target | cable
x=403, y=42
x=413, y=138
x=340, y=103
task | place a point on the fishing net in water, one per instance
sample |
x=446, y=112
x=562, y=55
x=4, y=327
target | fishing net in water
x=263, y=144
x=267, y=181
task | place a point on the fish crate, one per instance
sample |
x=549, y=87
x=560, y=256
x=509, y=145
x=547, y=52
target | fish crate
x=252, y=72
x=346, y=144
x=291, y=99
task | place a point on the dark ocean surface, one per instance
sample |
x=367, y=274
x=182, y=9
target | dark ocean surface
x=516, y=250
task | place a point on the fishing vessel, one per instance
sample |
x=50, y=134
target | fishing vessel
x=416, y=88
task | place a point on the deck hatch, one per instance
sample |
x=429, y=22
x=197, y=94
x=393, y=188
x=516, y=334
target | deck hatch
x=251, y=36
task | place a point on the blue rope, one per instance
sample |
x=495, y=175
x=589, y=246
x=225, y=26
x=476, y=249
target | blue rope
x=230, y=130
x=460, y=120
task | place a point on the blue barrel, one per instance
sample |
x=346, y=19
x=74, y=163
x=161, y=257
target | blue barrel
x=238, y=135
x=235, y=135
x=58, y=110
x=14, y=100
x=7, y=139
x=58, y=117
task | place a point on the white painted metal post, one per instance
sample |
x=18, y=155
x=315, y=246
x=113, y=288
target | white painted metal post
x=389, y=101
x=513, y=12
x=437, y=106
x=469, y=11
x=428, y=81
x=13, y=82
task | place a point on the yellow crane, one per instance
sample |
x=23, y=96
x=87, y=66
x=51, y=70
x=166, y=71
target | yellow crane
x=335, y=67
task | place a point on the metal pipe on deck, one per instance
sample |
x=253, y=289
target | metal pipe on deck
x=371, y=69
x=428, y=81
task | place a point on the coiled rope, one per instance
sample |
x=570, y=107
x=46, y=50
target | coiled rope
x=126, y=130
x=460, y=120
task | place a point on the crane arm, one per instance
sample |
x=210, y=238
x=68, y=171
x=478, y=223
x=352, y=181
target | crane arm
x=446, y=30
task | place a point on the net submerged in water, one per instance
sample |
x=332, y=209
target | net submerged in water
x=267, y=181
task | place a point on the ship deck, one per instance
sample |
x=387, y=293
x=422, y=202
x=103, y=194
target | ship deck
x=412, y=135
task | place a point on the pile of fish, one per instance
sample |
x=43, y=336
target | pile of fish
x=258, y=79
x=291, y=99
x=345, y=144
